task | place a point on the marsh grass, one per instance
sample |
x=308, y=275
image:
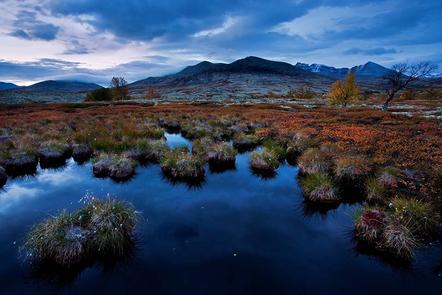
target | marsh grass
x=319, y=187
x=101, y=228
x=264, y=161
x=313, y=161
x=245, y=142
x=179, y=164
x=221, y=157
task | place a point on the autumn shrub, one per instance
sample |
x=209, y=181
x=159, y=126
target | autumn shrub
x=352, y=169
x=343, y=93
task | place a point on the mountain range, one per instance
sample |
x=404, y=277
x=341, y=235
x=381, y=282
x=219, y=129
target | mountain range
x=243, y=78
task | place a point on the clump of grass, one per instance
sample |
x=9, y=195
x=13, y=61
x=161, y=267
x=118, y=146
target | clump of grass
x=101, y=228
x=277, y=148
x=313, y=161
x=196, y=130
x=170, y=125
x=221, y=156
x=245, y=142
x=376, y=192
x=146, y=151
x=264, y=161
x=370, y=224
x=421, y=216
x=200, y=146
x=113, y=166
x=381, y=187
x=399, y=240
x=111, y=223
x=180, y=165
x=399, y=228
x=297, y=146
x=352, y=169
x=319, y=187
x=153, y=132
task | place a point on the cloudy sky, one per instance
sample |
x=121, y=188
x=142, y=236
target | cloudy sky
x=93, y=40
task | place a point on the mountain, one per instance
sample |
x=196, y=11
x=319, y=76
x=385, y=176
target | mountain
x=368, y=70
x=48, y=91
x=243, y=78
x=6, y=86
x=60, y=86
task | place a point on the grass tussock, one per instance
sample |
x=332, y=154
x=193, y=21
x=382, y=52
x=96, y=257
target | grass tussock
x=178, y=164
x=314, y=161
x=265, y=160
x=101, y=228
x=399, y=228
x=221, y=154
x=319, y=187
x=245, y=142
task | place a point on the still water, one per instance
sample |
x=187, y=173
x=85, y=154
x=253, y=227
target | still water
x=235, y=234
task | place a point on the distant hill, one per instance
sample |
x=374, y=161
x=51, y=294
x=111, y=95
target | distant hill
x=6, y=86
x=368, y=70
x=60, y=86
x=48, y=91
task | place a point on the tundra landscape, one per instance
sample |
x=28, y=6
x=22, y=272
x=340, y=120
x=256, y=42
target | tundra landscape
x=223, y=167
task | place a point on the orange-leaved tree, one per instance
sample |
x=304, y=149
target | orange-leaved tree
x=343, y=93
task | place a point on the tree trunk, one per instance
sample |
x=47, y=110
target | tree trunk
x=387, y=102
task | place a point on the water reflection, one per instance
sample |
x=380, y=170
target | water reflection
x=236, y=234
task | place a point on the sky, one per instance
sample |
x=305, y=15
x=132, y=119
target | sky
x=93, y=40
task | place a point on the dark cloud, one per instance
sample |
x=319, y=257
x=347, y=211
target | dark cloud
x=75, y=47
x=31, y=28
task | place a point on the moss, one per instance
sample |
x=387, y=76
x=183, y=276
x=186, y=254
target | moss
x=319, y=187
x=101, y=228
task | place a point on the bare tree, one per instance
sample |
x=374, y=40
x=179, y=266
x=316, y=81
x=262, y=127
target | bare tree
x=404, y=75
x=119, y=88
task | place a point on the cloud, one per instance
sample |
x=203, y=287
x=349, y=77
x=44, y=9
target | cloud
x=371, y=51
x=29, y=27
x=225, y=27
x=139, y=38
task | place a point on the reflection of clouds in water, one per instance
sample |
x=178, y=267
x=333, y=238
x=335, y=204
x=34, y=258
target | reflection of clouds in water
x=16, y=193
x=59, y=177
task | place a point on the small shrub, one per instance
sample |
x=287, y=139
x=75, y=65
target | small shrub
x=319, y=187
x=376, y=192
x=100, y=94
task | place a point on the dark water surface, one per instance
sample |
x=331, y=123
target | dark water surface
x=236, y=234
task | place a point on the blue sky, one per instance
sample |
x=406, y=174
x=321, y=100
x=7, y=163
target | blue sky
x=93, y=39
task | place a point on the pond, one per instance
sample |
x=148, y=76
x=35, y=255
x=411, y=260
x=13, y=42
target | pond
x=235, y=234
